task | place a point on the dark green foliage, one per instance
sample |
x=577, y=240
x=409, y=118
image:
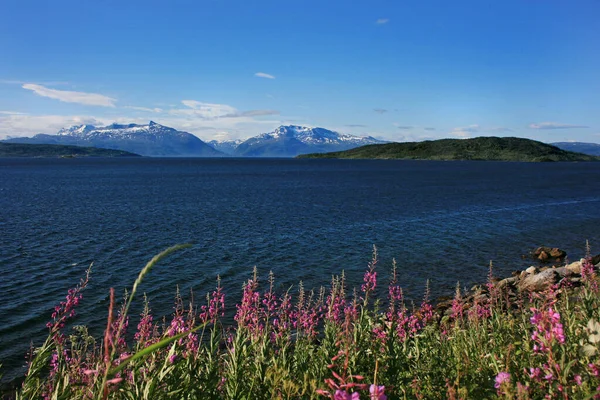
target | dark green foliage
x=481, y=148
x=55, y=150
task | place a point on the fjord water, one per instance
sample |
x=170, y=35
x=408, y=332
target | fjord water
x=303, y=219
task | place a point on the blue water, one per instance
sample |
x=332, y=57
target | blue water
x=302, y=219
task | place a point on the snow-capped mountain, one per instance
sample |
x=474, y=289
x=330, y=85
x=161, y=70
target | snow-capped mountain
x=226, y=146
x=593, y=149
x=292, y=140
x=147, y=140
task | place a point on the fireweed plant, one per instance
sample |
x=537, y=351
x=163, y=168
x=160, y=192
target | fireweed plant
x=336, y=342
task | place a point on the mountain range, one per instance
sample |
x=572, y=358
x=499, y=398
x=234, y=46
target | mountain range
x=592, y=149
x=156, y=140
x=293, y=140
x=153, y=140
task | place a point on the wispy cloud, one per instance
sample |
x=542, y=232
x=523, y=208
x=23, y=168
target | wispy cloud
x=500, y=129
x=382, y=21
x=92, y=99
x=465, y=131
x=211, y=111
x=429, y=129
x=12, y=113
x=232, y=128
x=17, y=125
x=204, y=110
x=355, y=126
x=145, y=109
x=555, y=125
x=380, y=110
x=264, y=75
x=404, y=127
x=256, y=113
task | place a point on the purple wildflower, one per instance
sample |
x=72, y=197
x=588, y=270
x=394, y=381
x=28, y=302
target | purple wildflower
x=343, y=395
x=548, y=329
x=215, y=307
x=377, y=392
x=501, y=378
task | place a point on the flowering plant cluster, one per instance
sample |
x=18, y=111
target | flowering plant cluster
x=334, y=342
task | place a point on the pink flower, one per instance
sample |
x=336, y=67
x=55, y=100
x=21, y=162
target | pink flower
x=215, y=307
x=144, y=329
x=370, y=282
x=376, y=392
x=535, y=374
x=502, y=377
x=578, y=380
x=548, y=329
x=343, y=395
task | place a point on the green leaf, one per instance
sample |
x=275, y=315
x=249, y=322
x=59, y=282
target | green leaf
x=588, y=350
x=150, y=349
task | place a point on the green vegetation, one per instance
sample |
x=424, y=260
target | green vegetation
x=333, y=343
x=56, y=150
x=481, y=148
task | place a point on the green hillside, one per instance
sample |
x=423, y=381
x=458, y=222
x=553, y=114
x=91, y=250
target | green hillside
x=55, y=150
x=481, y=148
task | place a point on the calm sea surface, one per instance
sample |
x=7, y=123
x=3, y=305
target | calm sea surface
x=302, y=219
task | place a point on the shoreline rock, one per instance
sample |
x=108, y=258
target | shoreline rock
x=533, y=279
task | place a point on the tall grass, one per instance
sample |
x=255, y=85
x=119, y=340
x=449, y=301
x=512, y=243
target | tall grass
x=338, y=342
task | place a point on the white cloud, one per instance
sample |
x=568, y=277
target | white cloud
x=465, y=131
x=145, y=109
x=500, y=129
x=206, y=129
x=93, y=99
x=554, y=125
x=264, y=75
x=204, y=110
x=257, y=113
x=210, y=111
x=382, y=21
x=204, y=120
x=12, y=113
x=18, y=125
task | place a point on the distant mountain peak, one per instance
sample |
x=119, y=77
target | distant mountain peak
x=150, y=140
x=291, y=140
x=76, y=129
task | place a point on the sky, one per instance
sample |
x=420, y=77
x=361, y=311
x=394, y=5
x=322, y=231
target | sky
x=231, y=69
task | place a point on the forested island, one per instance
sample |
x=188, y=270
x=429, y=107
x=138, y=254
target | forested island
x=56, y=150
x=480, y=148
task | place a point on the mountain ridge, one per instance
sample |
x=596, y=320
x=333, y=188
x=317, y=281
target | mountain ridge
x=153, y=140
x=292, y=140
x=593, y=149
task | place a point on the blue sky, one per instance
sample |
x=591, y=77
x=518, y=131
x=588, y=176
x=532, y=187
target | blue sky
x=399, y=70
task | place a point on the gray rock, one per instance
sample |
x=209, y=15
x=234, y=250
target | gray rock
x=531, y=270
x=508, y=281
x=543, y=280
x=575, y=267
